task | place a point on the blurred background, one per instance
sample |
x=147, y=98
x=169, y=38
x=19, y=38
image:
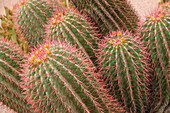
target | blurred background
x=142, y=7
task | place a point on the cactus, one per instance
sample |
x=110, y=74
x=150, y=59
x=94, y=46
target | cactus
x=30, y=18
x=155, y=32
x=10, y=69
x=59, y=78
x=109, y=15
x=74, y=28
x=8, y=30
x=122, y=62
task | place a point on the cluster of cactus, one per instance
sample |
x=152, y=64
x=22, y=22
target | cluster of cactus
x=87, y=61
x=8, y=31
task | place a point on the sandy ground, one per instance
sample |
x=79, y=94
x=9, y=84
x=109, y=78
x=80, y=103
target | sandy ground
x=141, y=6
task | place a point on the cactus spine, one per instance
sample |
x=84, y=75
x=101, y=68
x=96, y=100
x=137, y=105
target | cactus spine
x=73, y=28
x=60, y=78
x=123, y=65
x=10, y=87
x=109, y=14
x=156, y=35
x=30, y=18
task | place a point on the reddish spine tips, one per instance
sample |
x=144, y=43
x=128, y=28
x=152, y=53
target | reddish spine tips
x=114, y=34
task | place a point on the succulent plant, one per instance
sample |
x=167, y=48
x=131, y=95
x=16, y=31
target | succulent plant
x=8, y=31
x=123, y=64
x=73, y=28
x=59, y=78
x=30, y=18
x=155, y=32
x=10, y=69
x=109, y=15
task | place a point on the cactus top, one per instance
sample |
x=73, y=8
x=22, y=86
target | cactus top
x=22, y=2
x=160, y=13
x=40, y=54
x=117, y=39
x=57, y=19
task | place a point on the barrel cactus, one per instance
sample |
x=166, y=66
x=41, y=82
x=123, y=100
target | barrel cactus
x=30, y=19
x=60, y=79
x=73, y=28
x=122, y=62
x=11, y=90
x=109, y=15
x=155, y=32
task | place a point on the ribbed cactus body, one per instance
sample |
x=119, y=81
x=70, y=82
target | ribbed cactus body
x=155, y=33
x=123, y=65
x=75, y=29
x=30, y=17
x=10, y=87
x=109, y=15
x=59, y=79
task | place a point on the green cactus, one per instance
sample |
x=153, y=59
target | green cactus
x=60, y=79
x=123, y=65
x=109, y=15
x=155, y=33
x=8, y=31
x=30, y=18
x=10, y=70
x=75, y=29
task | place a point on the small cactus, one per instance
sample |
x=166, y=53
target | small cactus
x=109, y=15
x=155, y=32
x=122, y=62
x=74, y=28
x=59, y=78
x=10, y=69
